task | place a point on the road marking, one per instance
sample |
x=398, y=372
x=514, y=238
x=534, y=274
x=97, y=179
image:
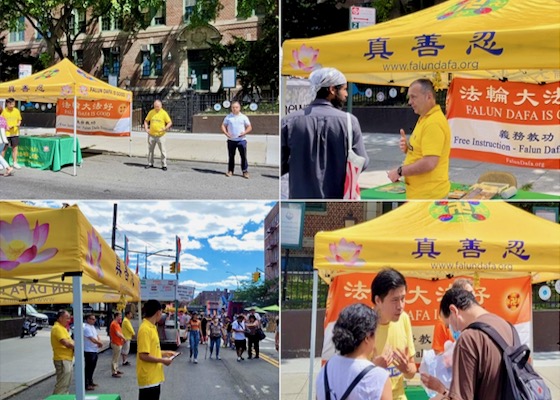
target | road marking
x=269, y=360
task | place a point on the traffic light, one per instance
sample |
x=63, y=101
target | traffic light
x=178, y=268
x=172, y=268
x=256, y=276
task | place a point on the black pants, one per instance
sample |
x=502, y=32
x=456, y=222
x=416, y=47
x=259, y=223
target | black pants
x=242, y=147
x=253, y=341
x=91, y=362
x=150, y=393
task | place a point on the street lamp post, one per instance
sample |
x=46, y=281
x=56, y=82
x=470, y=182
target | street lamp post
x=146, y=255
x=235, y=276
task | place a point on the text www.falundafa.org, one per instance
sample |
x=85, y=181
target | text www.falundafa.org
x=449, y=65
x=472, y=266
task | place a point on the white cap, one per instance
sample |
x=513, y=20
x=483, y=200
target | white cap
x=326, y=77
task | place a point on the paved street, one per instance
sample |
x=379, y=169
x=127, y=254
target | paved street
x=111, y=176
x=208, y=380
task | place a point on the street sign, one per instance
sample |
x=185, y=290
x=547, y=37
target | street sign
x=185, y=293
x=361, y=17
x=24, y=70
x=158, y=289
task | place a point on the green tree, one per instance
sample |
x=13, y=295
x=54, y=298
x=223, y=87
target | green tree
x=263, y=293
x=249, y=57
x=58, y=22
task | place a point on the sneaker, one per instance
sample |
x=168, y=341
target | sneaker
x=242, y=359
x=17, y=166
x=195, y=361
x=246, y=175
x=126, y=363
x=90, y=387
x=257, y=357
x=249, y=357
x=218, y=358
x=116, y=376
x=9, y=171
x=148, y=166
x=164, y=168
x=229, y=173
x=238, y=359
x=120, y=372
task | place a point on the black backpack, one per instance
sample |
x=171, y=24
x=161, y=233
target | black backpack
x=356, y=380
x=521, y=382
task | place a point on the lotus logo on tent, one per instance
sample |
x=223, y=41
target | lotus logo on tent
x=471, y=8
x=47, y=74
x=305, y=58
x=459, y=211
x=345, y=253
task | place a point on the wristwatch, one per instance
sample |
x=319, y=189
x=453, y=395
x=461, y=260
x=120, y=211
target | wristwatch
x=399, y=170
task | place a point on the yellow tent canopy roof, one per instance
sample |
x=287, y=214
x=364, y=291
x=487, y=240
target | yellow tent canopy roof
x=432, y=240
x=41, y=248
x=63, y=80
x=514, y=39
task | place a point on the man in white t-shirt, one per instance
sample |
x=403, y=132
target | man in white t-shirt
x=92, y=343
x=236, y=126
x=238, y=328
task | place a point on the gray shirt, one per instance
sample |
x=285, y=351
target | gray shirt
x=314, y=150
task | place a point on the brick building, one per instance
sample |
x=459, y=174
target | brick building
x=168, y=54
x=271, y=243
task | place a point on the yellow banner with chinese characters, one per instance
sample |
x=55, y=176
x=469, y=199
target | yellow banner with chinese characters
x=508, y=298
x=63, y=80
x=41, y=248
x=433, y=239
x=514, y=39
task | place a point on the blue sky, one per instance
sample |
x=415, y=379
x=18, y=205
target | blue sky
x=222, y=241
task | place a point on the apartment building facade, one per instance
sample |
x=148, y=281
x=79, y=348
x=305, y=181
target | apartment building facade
x=168, y=54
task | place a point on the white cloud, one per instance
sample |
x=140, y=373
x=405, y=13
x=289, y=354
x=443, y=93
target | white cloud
x=251, y=241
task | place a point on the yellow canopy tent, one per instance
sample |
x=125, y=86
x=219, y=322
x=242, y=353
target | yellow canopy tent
x=514, y=39
x=433, y=239
x=56, y=256
x=63, y=80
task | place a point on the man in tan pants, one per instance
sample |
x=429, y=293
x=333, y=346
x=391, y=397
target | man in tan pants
x=117, y=341
x=63, y=353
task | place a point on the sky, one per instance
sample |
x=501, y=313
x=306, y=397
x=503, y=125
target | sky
x=222, y=241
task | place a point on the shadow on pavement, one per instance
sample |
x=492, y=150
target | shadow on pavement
x=208, y=171
x=137, y=165
x=270, y=176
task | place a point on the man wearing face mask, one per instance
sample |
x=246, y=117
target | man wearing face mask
x=315, y=140
x=443, y=333
x=477, y=360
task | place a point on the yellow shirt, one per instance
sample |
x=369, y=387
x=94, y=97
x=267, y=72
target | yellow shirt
x=157, y=120
x=148, y=373
x=431, y=137
x=12, y=118
x=395, y=335
x=61, y=352
x=127, y=329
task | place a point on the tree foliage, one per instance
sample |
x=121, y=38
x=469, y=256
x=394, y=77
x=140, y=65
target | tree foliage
x=256, y=61
x=259, y=293
x=57, y=20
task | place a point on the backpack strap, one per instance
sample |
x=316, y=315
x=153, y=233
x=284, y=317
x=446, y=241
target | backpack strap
x=356, y=380
x=494, y=335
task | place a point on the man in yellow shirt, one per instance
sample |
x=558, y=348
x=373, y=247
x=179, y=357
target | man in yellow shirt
x=156, y=124
x=128, y=333
x=63, y=352
x=149, y=360
x=394, y=344
x=426, y=165
x=13, y=118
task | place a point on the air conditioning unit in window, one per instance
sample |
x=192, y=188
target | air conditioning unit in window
x=116, y=50
x=144, y=47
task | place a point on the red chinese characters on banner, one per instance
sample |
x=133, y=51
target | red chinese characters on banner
x=511, y=123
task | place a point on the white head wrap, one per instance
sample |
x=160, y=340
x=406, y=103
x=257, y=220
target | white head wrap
x=326, y=77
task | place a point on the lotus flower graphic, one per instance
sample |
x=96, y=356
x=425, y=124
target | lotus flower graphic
x=93, y=257
x=305, y=58
x=20, y=245
x=345, y=253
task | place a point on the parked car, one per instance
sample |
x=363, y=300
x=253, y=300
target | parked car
x=41, y=319
x=51, y=316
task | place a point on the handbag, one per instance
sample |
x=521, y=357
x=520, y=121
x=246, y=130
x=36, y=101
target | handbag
x=354, y=166
x=260, y=334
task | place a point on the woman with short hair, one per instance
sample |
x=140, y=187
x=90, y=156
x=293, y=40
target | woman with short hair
x=351, y=375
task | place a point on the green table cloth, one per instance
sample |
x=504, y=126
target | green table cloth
x=89, y=396
x=396, y=192
x=46, y=152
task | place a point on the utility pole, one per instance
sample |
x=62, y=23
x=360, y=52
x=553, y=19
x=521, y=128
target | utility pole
x=113, y=240
x=146, y=262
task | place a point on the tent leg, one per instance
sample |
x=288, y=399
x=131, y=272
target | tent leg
x=130, y=128
x=75, y=122
x=313, y=333
x=79, y=375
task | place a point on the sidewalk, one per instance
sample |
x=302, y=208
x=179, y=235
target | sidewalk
x=25, y=362
x=294, y=374
x=262, y=150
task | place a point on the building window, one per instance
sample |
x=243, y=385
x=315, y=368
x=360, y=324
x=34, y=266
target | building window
x=157, y=17
x=189, y=9
x=152, y=61
x=111, y=24
x=19, y=34
x=78, y=21
x=79, y=58
x=111, y=61
x=259, y=11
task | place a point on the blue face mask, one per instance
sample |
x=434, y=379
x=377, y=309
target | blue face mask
x=454, y=333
